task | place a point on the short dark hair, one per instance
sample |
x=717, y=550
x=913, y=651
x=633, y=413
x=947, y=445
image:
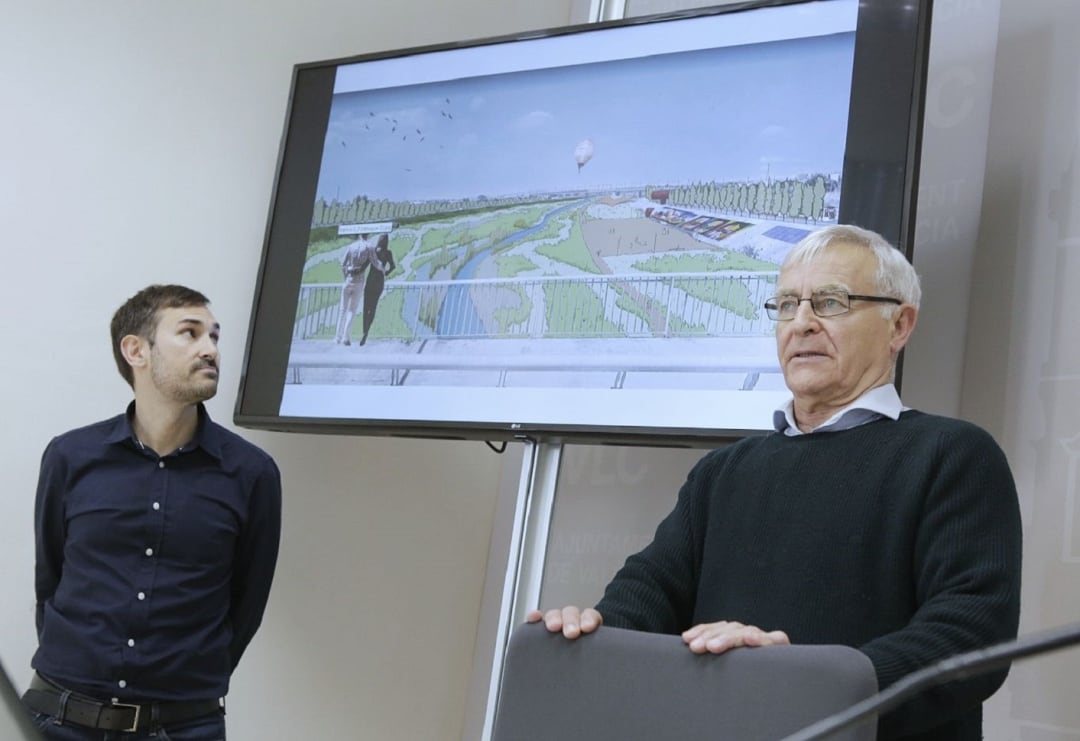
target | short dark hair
x=140, y=314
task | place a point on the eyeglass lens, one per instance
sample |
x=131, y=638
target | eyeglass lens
x=825, y=304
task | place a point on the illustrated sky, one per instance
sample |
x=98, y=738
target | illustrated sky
x=772, y=110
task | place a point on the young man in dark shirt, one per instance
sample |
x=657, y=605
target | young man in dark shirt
x=858, y=522
x=156, y=539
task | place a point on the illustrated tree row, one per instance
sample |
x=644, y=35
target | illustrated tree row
x=784, y=199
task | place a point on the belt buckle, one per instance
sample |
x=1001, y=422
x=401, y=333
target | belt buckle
x=135, y=722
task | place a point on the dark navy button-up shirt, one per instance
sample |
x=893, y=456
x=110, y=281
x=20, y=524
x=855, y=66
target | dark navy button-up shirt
x=152, y=572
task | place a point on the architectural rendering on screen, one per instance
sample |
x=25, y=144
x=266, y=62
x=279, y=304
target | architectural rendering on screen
x=605, y=229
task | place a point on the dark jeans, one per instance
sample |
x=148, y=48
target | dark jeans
x=210, y=728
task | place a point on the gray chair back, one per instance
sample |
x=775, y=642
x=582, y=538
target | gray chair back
x=621, y=685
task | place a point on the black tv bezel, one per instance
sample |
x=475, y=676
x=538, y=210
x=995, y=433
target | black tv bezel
x=881, y=165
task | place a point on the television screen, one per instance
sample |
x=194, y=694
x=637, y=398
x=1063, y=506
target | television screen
x=571, y=233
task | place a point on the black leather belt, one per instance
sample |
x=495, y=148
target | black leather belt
x=68, y=707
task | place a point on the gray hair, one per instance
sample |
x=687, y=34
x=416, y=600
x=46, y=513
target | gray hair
x=895, y=277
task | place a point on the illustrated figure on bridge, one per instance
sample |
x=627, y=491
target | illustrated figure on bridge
x=354, y=262
x=382, y=263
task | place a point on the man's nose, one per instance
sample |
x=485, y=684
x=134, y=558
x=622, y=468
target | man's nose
x=805, y=318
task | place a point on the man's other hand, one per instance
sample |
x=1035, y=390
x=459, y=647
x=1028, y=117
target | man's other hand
x=572, y=621
x=716, y=638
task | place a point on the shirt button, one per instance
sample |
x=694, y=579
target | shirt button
x=149, y=551
x=122, y=684
x=142, y=596
x=131, y=641
x=157, y=505
x=161, y=464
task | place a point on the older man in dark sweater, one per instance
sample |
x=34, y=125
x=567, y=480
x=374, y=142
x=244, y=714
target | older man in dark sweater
x=859, y=522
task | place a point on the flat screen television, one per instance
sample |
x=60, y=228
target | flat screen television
x=569, y=234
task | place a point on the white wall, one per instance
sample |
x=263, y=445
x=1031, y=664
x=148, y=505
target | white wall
x=955, y=124
x=1022, y=371
x=138, y=142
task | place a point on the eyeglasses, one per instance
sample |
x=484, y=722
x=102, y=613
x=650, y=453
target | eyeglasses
x=824, y=304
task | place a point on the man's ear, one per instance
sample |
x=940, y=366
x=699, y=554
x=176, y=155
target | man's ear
x=903, y=324
x=136, y=350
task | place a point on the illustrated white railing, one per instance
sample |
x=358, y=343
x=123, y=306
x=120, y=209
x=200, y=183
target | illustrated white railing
x=398, y=365
x=721, y=304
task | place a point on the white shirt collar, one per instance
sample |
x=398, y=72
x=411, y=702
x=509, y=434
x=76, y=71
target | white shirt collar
x=878, y=402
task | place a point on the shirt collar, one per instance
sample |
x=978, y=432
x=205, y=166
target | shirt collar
x=207, y=435
x=881, y=401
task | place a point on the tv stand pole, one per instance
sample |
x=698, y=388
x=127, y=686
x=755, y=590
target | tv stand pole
x=522, y=558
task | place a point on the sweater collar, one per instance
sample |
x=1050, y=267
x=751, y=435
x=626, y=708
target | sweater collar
x=877, y=403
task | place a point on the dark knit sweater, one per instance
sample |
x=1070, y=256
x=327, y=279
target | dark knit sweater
x=900, y=538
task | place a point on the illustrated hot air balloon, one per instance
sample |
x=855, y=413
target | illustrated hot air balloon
x=583, y=152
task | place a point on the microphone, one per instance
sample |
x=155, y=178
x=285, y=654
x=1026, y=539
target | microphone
x=961, y=666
